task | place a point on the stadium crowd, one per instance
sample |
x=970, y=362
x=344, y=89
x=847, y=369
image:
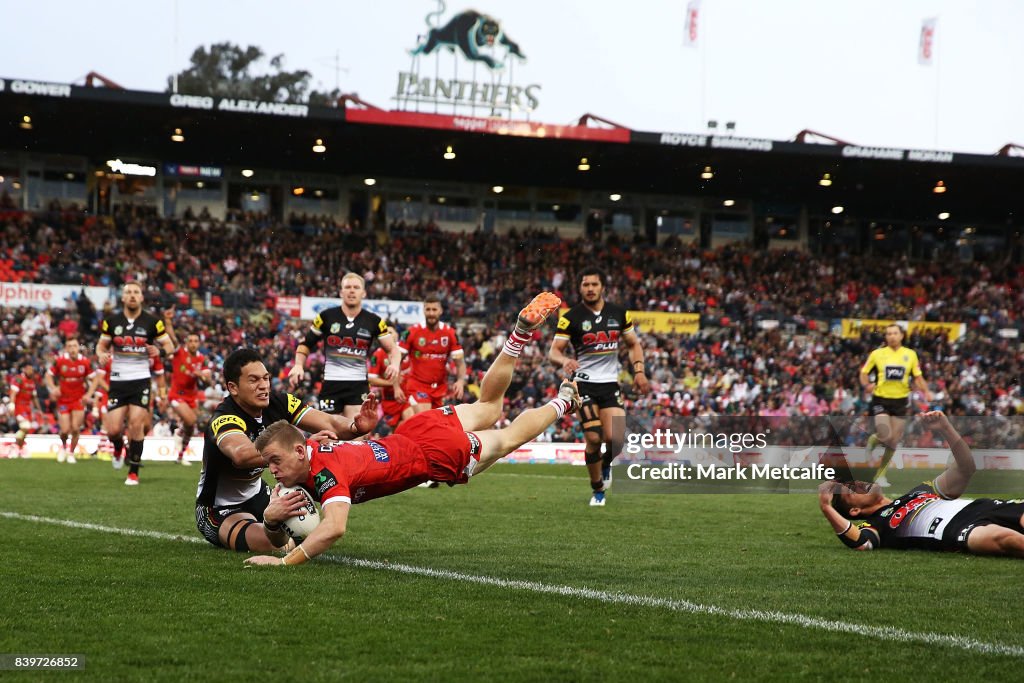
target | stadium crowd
x=733, y=366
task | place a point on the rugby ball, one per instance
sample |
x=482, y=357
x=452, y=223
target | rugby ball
x=300, y=526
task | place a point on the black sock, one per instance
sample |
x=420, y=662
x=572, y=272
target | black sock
x=134, y=456
x=118, y=443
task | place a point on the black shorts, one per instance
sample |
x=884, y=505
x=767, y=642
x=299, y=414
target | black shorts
x=134, y=392
x=597, y=395
x=985, y=511
x=209, y=518
x=896, y=407
x=335, y=394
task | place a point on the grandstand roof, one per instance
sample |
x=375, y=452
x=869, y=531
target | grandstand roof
x=883, y=183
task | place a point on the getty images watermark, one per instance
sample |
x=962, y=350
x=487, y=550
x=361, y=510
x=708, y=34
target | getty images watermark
x=794, y=454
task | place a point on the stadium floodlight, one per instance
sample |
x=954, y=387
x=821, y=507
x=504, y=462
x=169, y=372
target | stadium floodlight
x=707, y=173
x=944, y=215
x=177, y=135
x=449, y=153
x=255, y=196
x=69, y=176
x=319, y=147
x=369, y=182
x=584, y=164
x=248, y=173
x=615, y=196
x=498, y=189
x=200, y=184
x=826, y=180
x=298, y=191
x=729, y=202
x=837, y=209
x=26, y=122
x=939, y=188
x=318, y=193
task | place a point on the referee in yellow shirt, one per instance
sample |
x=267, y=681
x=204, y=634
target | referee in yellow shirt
x=895, y=366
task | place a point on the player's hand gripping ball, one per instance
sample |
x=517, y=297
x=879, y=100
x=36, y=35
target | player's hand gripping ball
x=301, y=525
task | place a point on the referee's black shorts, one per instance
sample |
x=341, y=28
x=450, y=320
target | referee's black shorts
x=896, y=407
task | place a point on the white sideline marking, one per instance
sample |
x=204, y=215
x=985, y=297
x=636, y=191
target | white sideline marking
x=890, y=633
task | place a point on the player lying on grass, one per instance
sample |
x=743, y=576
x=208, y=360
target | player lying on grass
x=931, y=516
x=447, y=445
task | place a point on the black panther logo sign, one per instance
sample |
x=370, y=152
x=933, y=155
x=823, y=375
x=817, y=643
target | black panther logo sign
x=469, y=31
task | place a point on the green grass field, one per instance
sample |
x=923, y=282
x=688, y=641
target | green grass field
x=680, y=587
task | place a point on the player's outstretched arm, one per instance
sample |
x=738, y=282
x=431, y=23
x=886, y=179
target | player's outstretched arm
x=346, y=429
x=333, y=524
x=953, y=482
x=556, y=354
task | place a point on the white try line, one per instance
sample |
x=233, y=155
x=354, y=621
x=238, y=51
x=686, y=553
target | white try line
x=889, y=633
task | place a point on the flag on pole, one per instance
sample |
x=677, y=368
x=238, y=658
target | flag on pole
x=692, y=23
x=926, y=48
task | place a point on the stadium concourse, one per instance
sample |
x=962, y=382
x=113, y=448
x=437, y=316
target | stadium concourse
x=225, y=289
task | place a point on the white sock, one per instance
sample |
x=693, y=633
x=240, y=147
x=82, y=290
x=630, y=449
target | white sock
x=515, y=343
x=560, y=405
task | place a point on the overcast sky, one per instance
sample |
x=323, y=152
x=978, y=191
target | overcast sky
x=775, y=67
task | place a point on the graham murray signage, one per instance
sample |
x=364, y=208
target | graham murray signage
x=474, y=40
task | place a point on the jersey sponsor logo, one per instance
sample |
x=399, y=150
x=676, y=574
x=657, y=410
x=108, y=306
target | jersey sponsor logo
x=105, y=326
x=563, y=323
x=318, y=322
x=448, y=410
x=422, y=341
x=294, y=403
x=610, y=337
x=159, y=327
x=935, y=525
x=895, y=372
x=327, y=405
x=382, y=327
x=380, y=454
x=324, y=481
x=352, y=343
x=335, y=328
x=612, y=322
x=226, y=422
x=349, y=325
x=915, y=503
x=363, y=332
x=586, y=326
x=327, y=446
x=444, y=342
x=118, y=330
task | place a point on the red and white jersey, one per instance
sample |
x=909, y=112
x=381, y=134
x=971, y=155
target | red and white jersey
x=379, y=362
x=24, y=389
x=358, y=471
x=185, y=369
x=71, y=375
x=429, y=351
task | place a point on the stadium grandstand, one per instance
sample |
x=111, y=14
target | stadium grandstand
x=756, y=263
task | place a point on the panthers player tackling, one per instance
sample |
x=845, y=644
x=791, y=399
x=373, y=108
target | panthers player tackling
x=234, y=507
x=449, y=445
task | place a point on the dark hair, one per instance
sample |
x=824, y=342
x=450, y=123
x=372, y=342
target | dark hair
x=238, y=359
x=594, y=271
x=431, y=299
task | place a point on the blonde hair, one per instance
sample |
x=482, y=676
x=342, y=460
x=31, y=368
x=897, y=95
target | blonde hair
x=281, y=431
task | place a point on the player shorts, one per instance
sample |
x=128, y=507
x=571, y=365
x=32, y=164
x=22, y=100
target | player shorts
x=449, y=448
x=986, y=511
x=66, y=407
x=190, y=400
x=896, y=407
x=393, y=411
x=336, y=394
x=136, y=392
x=421, y=393
x=597, y=395
x=209, y=517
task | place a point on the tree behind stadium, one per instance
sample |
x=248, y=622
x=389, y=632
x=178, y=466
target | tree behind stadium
x=229, y=70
